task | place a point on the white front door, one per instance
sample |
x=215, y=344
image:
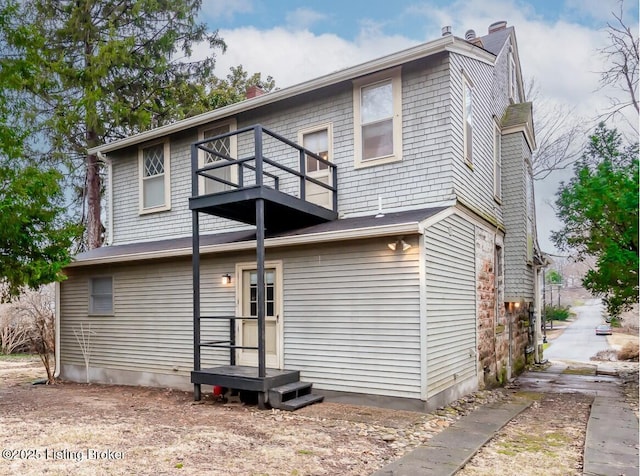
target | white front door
x=247, y=306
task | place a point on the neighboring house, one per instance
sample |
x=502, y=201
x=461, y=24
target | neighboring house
x=408, y=273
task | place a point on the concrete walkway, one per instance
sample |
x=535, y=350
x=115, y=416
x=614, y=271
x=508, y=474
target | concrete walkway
x=612, y=439
x=611, y=446
x=450, y=449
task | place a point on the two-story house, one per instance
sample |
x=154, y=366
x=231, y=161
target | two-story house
x=371, y=231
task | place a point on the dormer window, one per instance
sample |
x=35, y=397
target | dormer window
x=377, y=111
x=154, y=169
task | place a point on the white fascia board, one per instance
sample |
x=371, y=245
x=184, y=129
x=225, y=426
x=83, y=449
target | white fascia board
x=297, y=240
x=445, y=43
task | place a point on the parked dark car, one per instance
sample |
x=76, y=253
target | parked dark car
x=603, y=330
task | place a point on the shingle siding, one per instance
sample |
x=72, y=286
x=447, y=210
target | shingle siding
x=422, y=177
x=518, y=274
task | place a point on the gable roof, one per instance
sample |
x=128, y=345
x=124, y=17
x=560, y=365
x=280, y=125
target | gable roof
x=448, y=43
x=495, y=41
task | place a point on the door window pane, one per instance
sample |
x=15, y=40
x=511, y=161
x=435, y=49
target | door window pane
x=317, y=142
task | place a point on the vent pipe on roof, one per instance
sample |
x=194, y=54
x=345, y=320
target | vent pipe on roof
x=470, y=35
x=446, y=30
x=497, y=26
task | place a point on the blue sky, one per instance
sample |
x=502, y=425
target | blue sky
x=558, y=40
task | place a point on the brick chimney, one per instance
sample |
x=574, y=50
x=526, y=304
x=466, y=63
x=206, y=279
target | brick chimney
x=254, y=91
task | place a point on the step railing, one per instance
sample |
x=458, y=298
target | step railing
x=231, y=342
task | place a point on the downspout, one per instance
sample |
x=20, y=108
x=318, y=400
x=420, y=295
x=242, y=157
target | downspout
x=536, y=300
x=108, y=162
x=57, y=330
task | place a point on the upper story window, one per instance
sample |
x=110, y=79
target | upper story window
x=101, y=295
x=497, y=163
x=377, y=107
x=467, y=118
x=154, y=166
x=513, y=80
x=221, y=148
x=318, y=139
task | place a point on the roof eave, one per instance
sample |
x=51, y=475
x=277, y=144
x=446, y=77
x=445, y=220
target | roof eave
x=407, y=228
x=448, y=43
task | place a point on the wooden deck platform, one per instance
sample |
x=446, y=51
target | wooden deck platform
x=242, y=377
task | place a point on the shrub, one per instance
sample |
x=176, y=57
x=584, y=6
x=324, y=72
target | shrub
x=629, y=351
x=556, y=313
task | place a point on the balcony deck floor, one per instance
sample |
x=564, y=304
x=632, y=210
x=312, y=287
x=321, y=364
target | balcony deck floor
x=282, y=211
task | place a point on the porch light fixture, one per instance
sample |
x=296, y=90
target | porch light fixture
x=226, y=279
x=404, y=246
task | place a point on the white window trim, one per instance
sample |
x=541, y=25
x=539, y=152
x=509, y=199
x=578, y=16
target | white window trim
x=497, y=159
x=167, y=177
x=467, y=83
x=317, y=128
x=90, y=311
x=395, y=76
x=512, y=74
x=233, y=144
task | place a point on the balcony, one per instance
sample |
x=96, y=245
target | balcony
x=231, y=172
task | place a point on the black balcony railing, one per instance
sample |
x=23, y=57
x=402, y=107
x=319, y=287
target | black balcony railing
x=264, y=159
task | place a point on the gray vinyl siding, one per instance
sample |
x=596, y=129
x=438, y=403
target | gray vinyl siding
x=352, y=318
x=451, y=303
x=474, y=184
x=517, y=272
x=151, y=327
x=424, y=175
x=351, y=315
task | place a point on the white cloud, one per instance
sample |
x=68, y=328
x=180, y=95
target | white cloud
x=294, y=56
x=598, y=10
x=224, y=9
x=560, y=55
x=303, y=18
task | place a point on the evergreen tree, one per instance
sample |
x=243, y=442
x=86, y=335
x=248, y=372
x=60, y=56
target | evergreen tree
x=599, y=209
x=102, y=70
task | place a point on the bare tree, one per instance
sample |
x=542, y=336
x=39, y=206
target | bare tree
x=621, y=58
x=84, y=341
x=559, y=134
x=14, y=331
x=38, y=307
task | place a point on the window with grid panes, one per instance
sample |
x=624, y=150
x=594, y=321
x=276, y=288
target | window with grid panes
x=153, y=177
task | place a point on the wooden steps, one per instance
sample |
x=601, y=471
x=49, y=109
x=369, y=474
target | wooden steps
x=293, y=396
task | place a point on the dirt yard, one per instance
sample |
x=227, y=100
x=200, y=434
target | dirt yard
x=89, y=429
x=94, y=429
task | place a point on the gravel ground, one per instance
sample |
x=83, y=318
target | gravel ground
x=70, y=428
x=55, y=430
